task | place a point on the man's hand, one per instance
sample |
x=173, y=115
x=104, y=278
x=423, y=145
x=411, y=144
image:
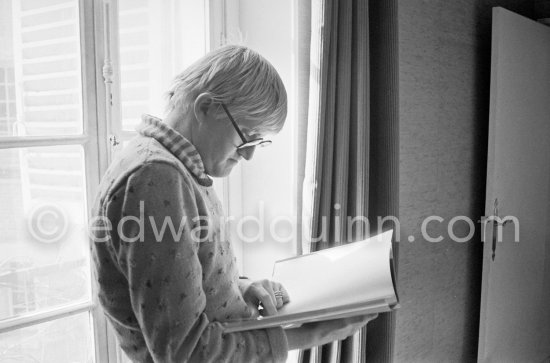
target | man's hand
x=269, y=294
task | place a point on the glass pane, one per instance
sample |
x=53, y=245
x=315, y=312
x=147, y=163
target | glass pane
x=157, y=39
x=44, y=255
x=67, y=340
x=40, y=80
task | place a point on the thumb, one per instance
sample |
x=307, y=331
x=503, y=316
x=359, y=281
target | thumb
x=254, y=312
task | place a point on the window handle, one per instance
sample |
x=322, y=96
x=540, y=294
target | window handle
x=114, y=141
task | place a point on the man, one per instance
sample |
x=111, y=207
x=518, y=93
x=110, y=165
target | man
x=166, y=272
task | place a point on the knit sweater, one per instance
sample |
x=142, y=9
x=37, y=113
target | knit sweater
x=165, y=270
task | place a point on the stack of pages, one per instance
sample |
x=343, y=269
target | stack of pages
x=353, y=279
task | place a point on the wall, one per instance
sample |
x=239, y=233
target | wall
x=444, y=64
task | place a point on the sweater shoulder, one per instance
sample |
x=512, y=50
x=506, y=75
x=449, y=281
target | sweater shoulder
x=142, y=155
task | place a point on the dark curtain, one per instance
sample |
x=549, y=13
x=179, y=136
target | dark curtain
x=348, y=94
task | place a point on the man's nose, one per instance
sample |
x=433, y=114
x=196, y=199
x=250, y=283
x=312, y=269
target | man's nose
x=248, y=152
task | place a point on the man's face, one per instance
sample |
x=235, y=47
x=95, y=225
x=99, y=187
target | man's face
x=217, y=143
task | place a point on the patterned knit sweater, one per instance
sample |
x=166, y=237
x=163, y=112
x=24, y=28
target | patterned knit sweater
x=165, y=269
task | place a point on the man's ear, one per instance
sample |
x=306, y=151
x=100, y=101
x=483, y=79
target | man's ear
x=204, y=106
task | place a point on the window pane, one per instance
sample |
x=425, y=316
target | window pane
x=60, y=341
x=157, y=40
x=40, y=80
x=44, y=255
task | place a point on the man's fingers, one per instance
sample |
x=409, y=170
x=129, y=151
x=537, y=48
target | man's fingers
x=271, y=295
x=254, y=309
x=281, y=295
x=361, y=320
x=268, y=302
x=280, y=302
x=371, y=317
x=286, y=297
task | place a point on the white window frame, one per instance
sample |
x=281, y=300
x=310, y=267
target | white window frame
x=95, y=161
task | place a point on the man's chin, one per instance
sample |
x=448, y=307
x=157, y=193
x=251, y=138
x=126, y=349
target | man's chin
x=223, y=172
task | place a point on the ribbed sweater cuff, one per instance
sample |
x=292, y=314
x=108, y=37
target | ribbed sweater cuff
x=279, y=344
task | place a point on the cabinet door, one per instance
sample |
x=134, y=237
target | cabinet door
x=515, y=305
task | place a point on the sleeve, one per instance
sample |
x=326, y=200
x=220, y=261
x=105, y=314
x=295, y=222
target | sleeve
x=160, y=260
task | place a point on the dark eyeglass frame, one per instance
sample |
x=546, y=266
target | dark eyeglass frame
x=246, y=143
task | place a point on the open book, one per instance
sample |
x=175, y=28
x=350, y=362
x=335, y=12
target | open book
x=353, y=279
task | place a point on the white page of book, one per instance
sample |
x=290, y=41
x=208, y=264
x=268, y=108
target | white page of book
x=349, y=274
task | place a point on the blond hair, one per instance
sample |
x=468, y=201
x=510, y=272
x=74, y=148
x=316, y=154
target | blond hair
x=240, y=78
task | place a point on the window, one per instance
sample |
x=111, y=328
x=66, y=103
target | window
x=156, y=40
x=54, y=126
x=47, y=164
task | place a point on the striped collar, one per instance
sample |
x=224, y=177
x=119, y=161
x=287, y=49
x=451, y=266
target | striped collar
x=178, y=145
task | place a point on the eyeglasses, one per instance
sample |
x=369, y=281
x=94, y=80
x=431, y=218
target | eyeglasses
x=246, y=143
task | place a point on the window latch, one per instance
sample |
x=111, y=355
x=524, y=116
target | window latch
x=114, y=141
